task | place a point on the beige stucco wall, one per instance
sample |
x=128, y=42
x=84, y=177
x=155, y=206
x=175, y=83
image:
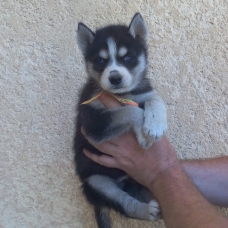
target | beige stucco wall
x=41, y=71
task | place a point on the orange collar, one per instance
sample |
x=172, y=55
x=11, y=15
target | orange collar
x=121, y=100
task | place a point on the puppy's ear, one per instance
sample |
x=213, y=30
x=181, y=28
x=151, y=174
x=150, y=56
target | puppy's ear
x=138, y=29
x=85, y=37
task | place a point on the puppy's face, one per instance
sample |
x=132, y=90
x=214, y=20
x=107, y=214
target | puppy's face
x=115, y=55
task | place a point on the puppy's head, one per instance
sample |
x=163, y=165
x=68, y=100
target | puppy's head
x=116, y=55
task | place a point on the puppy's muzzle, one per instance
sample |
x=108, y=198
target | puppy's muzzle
x=115, y=78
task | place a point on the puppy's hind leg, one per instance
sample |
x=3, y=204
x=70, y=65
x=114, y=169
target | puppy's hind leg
x=107, y=192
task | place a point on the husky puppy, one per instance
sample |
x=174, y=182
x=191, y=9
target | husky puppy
x=116, y=61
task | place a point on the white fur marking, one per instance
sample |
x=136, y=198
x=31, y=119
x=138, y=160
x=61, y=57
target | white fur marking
x=122, y=51
x=112, y=48
x=104, y=54
x=141, y=66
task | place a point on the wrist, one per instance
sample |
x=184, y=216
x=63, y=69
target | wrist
x=166, y=175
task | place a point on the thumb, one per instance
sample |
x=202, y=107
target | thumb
x=109, y=101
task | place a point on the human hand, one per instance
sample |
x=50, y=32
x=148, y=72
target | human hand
x=124, y=152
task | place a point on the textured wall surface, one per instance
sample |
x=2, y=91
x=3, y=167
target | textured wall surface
x=41, y=71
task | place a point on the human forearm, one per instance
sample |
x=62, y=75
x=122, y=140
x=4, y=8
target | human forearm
x=182, y=204
x=211, y=178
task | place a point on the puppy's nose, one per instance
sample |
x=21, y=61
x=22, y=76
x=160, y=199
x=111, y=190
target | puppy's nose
x=115, y=79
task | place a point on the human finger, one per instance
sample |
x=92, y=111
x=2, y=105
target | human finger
x=104, y=160
x=106, y=147
x=109, y=101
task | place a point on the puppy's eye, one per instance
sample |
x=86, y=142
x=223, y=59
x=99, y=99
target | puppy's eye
x=127, y=58
x=100, y=60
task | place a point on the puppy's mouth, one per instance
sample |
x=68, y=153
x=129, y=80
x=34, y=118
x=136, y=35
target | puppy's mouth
x=118, y=89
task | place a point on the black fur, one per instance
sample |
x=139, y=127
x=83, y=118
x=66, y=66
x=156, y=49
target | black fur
x=102, y=217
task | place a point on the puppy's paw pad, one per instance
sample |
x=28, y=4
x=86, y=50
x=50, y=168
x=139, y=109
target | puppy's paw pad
x=154, y=210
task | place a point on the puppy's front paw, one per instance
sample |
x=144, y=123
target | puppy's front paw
x=155, y=125
x=154, y=210
x=154, y=130
x=155, y=118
